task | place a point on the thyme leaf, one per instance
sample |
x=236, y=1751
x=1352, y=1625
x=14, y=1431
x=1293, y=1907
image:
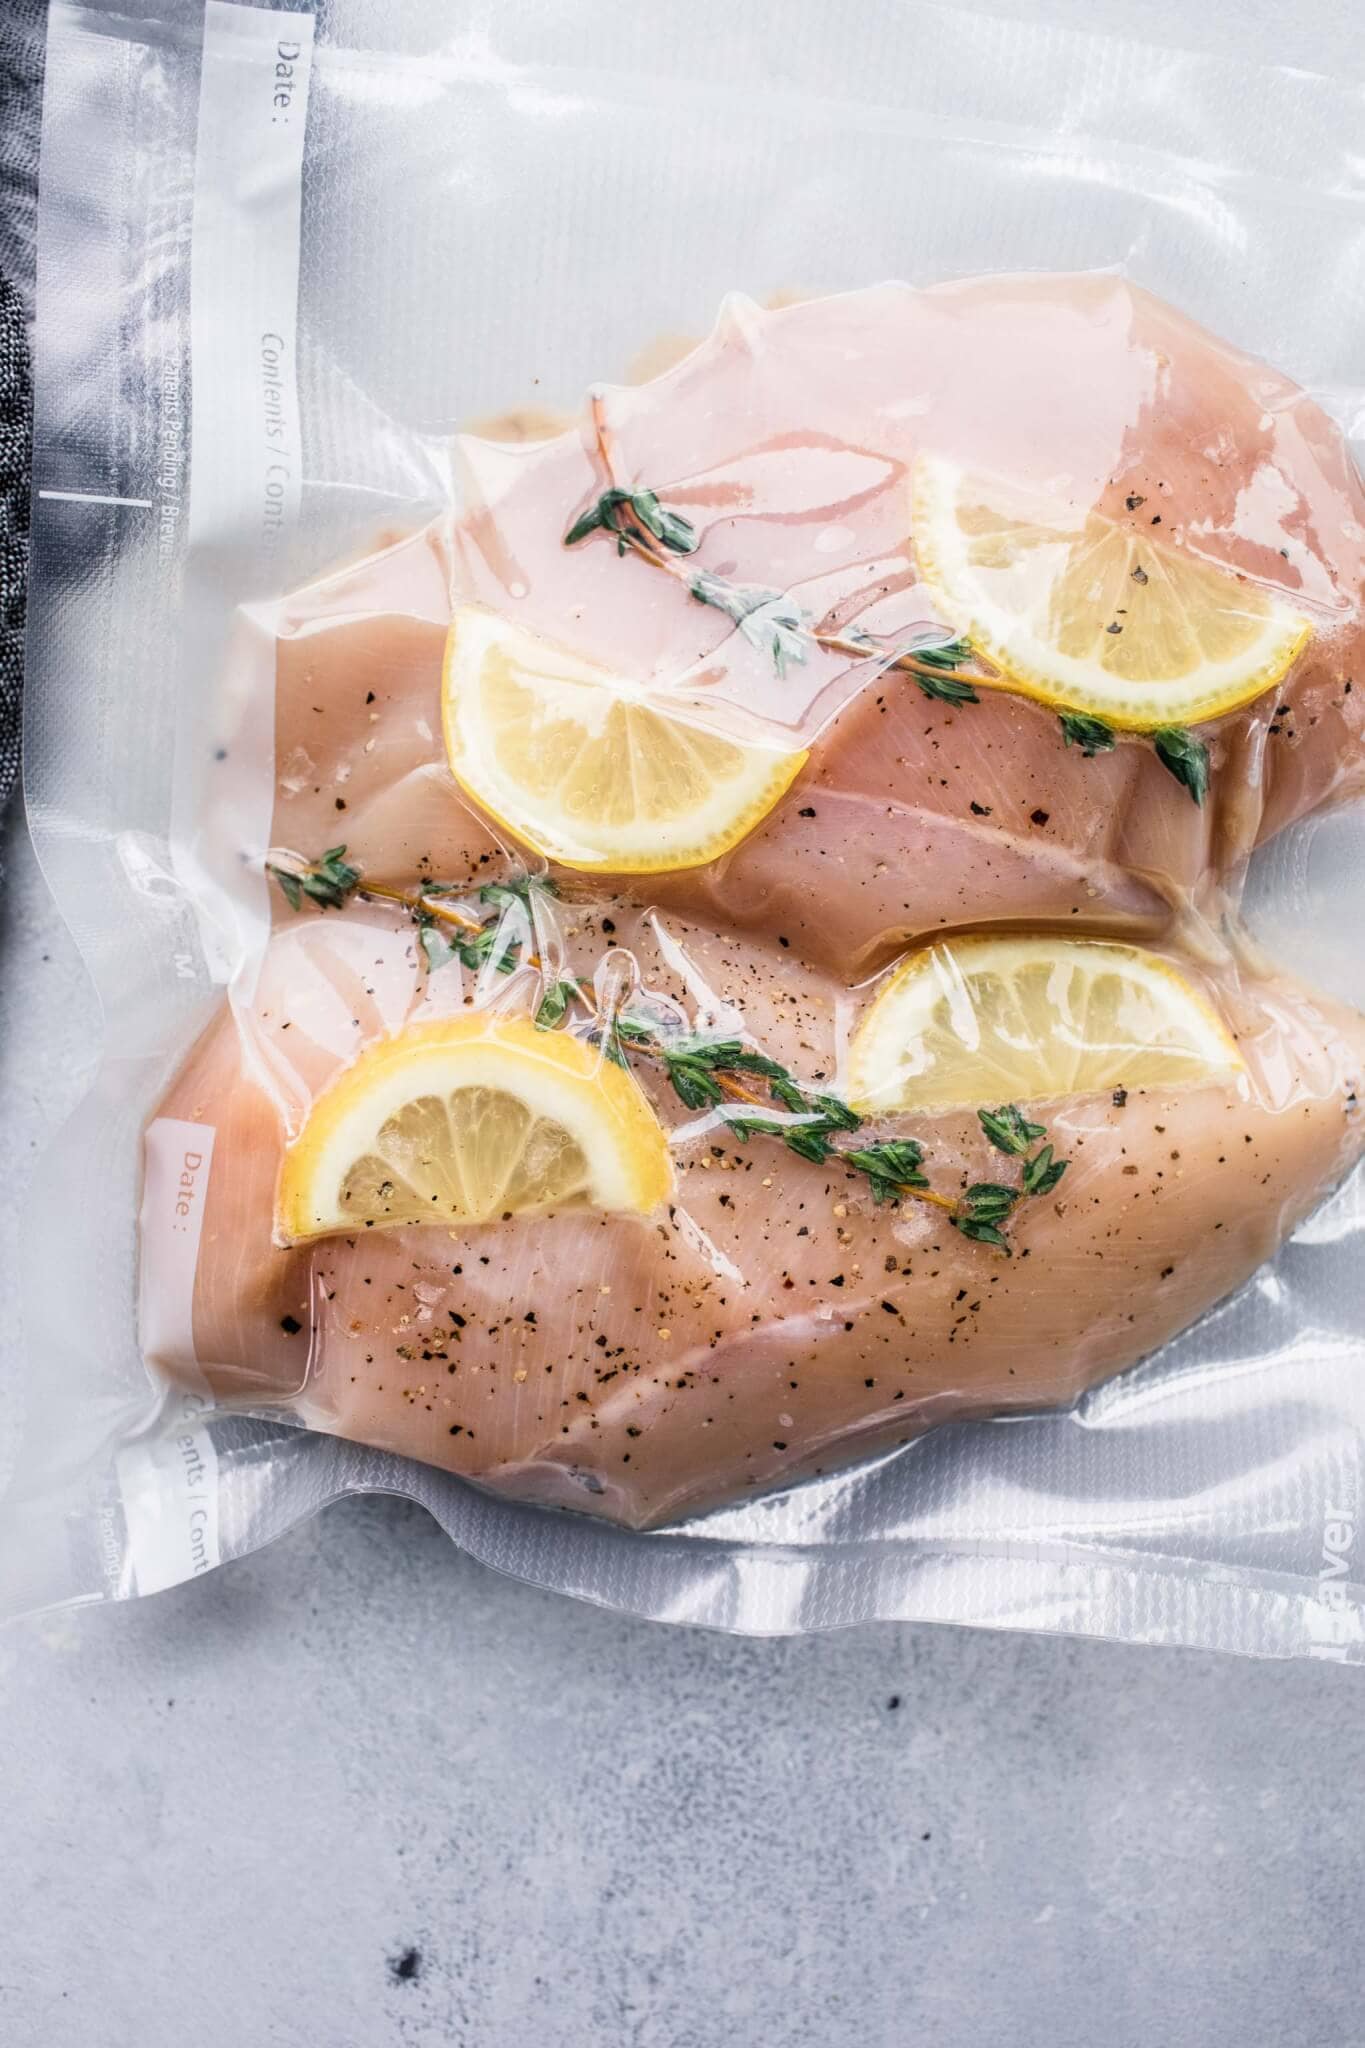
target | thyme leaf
x=328, y=882
x=669, y=528
x=692, y=1082
x=1042, y=1172
x=890, y=1167
x=437, y=947
x=1186, y=757
x=947, y=688
x=632, y=1030
x=945, y=654
x=609, y=515
x=808, y=1141
x=988, y=1201
x=983, y=1233
x=769, y=620
x=1091, y=735
x=554, y=1004
x=1009, y=1129
x=522, y=889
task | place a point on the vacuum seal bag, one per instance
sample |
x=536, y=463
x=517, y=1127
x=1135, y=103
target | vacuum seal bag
x=704, y=730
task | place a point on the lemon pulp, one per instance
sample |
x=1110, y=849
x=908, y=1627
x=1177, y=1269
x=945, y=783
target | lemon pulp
x=586, y=766
x=468, y=1119
x=1088, y=614
x=981, y=1021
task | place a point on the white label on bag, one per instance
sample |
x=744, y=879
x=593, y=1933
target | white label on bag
x=245, y=442
x=177, y=1160
x=169, y=1487
x=169, y=1483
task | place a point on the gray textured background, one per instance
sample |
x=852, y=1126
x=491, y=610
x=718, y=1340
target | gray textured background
x=358, y=1791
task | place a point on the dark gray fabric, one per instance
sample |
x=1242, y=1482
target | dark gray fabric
x=21, y=68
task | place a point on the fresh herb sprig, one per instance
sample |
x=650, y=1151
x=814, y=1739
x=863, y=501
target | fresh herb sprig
x=989, y=1204
x=759, y=1096
x=773, y=622
x=328, y=882
x=703, y=1074
x=446, y=927
x=770, y=620
x=621, y=513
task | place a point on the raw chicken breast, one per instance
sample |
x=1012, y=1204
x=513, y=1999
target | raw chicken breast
x=772, y=1322
x=787, y=439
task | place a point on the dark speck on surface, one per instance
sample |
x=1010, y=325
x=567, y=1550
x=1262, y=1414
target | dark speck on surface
x=407, y=1967
x=894, y=1701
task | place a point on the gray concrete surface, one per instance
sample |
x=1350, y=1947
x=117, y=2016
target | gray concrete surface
x=359, y=1791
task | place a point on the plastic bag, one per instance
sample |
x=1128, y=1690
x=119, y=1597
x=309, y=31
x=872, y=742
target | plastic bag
x=388, y=244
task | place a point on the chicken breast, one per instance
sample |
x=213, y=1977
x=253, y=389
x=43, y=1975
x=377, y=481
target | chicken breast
x=787, y=440
x=772, y=1322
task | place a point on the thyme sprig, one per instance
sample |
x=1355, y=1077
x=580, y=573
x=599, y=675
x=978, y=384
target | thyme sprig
x=446, y=929
x=774, y=623
x=757, y=1095
x=327, y=882
x=701, y=1073
x=893, y=1167
x=622, y=513
x=770, y=620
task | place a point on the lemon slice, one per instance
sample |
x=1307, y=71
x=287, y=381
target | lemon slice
x=1087, y=614
x=470, y=1119
x=981, y=1021
x=584, y=766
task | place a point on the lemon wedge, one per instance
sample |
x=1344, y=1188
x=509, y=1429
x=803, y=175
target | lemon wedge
x=980, y=1021
x=466, y=1120
x=1088, y=614
x=585, y=766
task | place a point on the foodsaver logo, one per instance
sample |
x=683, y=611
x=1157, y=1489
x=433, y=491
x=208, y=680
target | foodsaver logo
x=1338, y=1620
x=1338, y=1547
